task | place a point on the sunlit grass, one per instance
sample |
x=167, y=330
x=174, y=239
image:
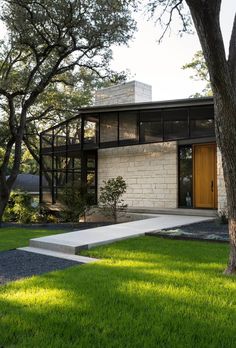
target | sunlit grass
x=14, y=237
x=146, y=292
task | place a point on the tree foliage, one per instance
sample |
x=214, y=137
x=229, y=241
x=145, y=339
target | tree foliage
x=198, y=65
x=48, y=42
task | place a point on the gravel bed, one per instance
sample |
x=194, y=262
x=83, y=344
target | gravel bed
x=17, y=264
x=207, y=230
x=206, y=227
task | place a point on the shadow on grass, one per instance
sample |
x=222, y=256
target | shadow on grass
x=15, y=237
x=126, y=301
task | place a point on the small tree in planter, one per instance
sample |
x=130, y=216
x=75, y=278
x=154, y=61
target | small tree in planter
x=110, y=197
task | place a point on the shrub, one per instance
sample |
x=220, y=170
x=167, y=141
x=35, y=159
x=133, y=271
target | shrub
x=19, y=208
x=110, y=197
x=75, y=201
x=44, y=215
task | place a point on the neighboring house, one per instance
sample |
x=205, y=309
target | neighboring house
x=166, y=151
x=28, y=183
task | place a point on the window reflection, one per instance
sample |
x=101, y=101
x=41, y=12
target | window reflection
x=128, y=127
x=109, y=128
x=185, y=176
x=150, y=132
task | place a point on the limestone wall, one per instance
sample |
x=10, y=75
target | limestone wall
x=150, y=171
x=129, y=92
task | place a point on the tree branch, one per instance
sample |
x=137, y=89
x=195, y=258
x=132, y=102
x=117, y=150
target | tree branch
x=6, y=158
x=41, y=115
x=32, y=150
x=232, y=53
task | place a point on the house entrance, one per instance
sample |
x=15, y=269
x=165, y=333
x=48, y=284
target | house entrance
x=197, y=176
x=204, y=177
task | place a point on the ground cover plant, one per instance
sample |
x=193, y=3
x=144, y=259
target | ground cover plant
x=15, y=237
x=146, y=292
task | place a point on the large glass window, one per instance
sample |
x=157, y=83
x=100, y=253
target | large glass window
x=175, y=124
x=109, y=129
x=90, y=130
x=74, y=131
x=47, y=140
x=185, y=176
x=60, y=139
x=128, y=127
x=151, y=129
x=46, y=189
x=202, y=122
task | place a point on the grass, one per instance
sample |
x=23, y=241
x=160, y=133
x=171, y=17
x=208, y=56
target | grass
x=146, y=292
x=14, y=237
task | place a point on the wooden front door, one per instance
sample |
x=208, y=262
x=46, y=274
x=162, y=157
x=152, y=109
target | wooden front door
x=204, y=176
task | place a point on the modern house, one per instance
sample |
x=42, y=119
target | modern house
x=166, y=151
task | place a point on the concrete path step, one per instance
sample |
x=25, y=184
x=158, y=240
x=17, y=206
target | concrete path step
x=73, y=242
x=77, y=258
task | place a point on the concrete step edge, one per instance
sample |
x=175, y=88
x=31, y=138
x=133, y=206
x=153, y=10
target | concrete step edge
x=61, y=255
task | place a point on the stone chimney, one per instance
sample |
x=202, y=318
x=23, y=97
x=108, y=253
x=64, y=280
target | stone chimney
x=125, y=93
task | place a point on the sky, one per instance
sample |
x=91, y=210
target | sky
x=160, y=65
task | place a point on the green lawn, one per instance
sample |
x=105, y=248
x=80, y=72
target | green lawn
x=146, y=292
x=14, y=237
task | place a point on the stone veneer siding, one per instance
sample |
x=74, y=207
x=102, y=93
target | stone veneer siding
x=129, y=92
x=150, y=170
x=151, y=173
x=220, y=183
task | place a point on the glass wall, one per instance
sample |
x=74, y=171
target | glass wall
x=151, y=126
x=175, y=124
x=128, y=128
x=90, y=131
x=62, y=160
x=109, y=129
x=74, y=131
x=185, y=176
x=201, y=122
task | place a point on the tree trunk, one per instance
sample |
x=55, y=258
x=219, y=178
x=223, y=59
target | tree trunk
x=231, y=268
x=6, y=184
x=4, y=197
x=225, y=119
x=206, y=18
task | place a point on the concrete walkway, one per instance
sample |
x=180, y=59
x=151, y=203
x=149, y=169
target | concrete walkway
x=71, y=243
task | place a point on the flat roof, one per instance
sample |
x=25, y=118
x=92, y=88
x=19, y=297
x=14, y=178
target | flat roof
x=149, y=105
x=176, y=103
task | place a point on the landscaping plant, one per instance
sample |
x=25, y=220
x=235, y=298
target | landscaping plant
x=75, y=200
x=110, y=198
x=19, y=208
